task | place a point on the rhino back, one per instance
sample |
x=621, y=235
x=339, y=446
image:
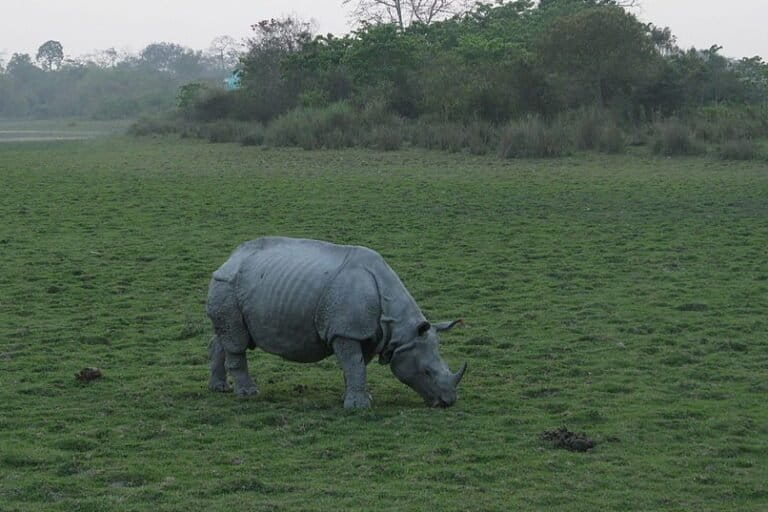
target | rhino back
x=279, y=284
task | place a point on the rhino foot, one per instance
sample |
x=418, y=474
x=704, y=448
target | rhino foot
x=219, y=386
x=357, y=400
x=247, y=391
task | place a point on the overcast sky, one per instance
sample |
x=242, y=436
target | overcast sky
x=83, y=26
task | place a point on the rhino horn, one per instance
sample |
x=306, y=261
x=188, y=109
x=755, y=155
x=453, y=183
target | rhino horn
x=458, y=375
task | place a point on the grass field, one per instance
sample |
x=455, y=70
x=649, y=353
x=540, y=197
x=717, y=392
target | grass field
x=625, y=297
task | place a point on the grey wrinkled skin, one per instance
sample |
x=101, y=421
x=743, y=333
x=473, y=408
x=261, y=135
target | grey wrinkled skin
x=305, y=300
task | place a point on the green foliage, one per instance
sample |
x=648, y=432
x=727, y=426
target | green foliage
x=213, y=104
x=314, y=128
x=595, y=129
x=597, y=55
x=673, y=137
x=503, y=62
x=386, y=137
x=265, y=89
x=190, y=94
x=739, y=149
x=153, y=126
x=226, y=130
x=624, y=297
x=612, y=140
x=719, y=123
x=532, y=137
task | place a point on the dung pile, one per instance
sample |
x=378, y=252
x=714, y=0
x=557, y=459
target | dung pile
x=88, y=374
x=564, y=438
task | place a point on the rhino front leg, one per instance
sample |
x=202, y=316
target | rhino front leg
x=350, y=357
x=216, y=356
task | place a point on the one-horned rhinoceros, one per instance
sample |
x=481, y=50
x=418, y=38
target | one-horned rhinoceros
x=305, y=300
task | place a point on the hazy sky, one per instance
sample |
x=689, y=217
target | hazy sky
x=83, y=26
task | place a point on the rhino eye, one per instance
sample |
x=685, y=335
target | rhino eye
x=427, y=372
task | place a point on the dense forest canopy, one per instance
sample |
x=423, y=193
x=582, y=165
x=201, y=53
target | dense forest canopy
x=494, y=62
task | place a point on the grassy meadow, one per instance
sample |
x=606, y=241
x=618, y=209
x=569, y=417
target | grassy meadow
x=621, y=296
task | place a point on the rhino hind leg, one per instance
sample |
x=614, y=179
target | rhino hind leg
x=237, y=365
x=227, y=350
x=216, y=355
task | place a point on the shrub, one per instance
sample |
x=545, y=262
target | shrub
x=334, y=126
x=595, y=129
x=449, y=137
x=532, y=137
x=225, y=131
x=672, y=137
x=721, y=123
x=385, y=137
x=481, y=137
x=153, y=126
x=254, y=135
x=588, y=125
x=211, y=105
x=612, y=140
x=376, y=113
x=739, y=149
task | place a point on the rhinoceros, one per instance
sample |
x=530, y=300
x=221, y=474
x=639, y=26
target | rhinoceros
x=304, y=300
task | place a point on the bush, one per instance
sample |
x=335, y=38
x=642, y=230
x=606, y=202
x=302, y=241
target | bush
x=211, y=105
x=153, y=126
x=478, y=137
x=588, y=124
x=331, y=127
x=532, y=137
x=672, y=137
x=449, y=137
x=254, y=135
x=481, y=137
x=739, y=149
x=595, y=129
x=612, y=140
x=225, y=131
x=721, y=123
x=385, y=138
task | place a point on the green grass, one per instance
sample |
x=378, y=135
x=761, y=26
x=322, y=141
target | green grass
x=622, y=296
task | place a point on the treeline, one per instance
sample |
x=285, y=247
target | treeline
x=108, y=84
x=520, y=78
x=494, y=63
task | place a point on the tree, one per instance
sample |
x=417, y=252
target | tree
x=663, y=39
x=21, y=67
x=225, y=52
x=173, y=59
x=49, y=55
x=262, y=77
x=597, y=54
x=404, y=12
x=107, y=58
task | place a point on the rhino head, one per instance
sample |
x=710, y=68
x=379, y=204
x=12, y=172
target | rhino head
x=417, y=363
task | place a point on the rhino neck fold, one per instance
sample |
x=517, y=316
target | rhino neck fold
x=400, y=315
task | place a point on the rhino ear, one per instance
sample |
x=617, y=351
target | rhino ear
x=423, y=327
x=444, y=326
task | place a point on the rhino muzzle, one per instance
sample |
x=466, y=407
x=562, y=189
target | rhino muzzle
x=448, y=398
